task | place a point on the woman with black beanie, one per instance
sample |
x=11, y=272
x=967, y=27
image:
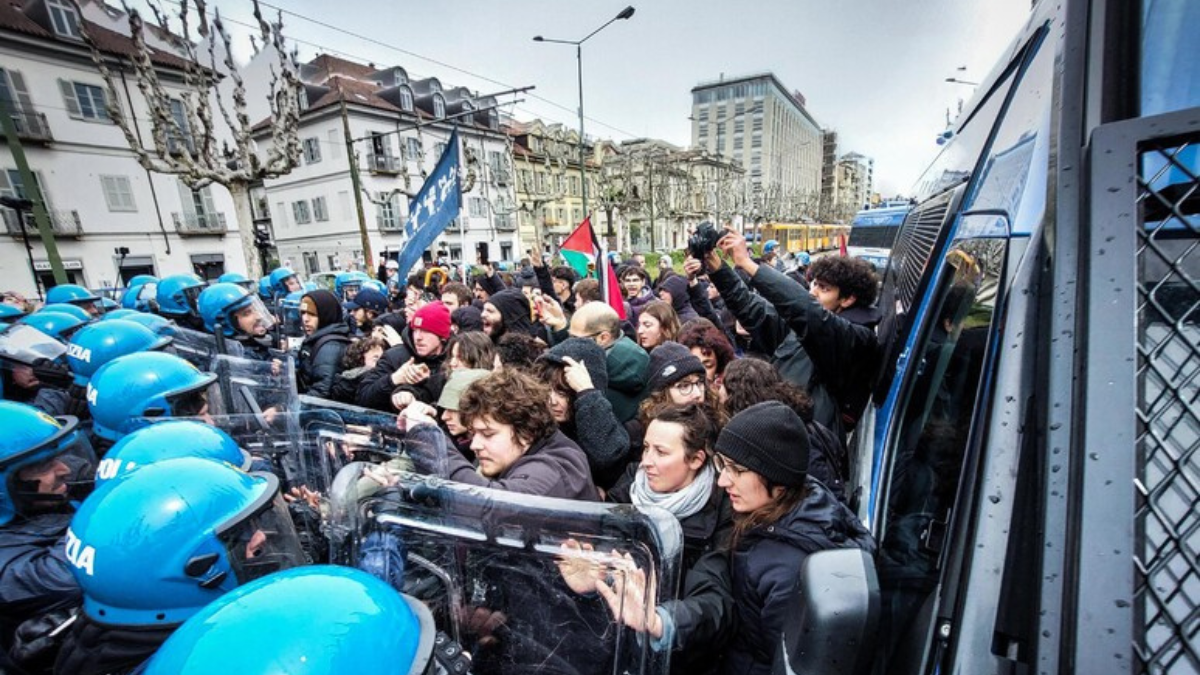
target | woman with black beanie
x=326, y=338
x=780, y=516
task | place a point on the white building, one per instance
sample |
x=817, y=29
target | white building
x=855, y=182
x=313, y=212
x=99, y=198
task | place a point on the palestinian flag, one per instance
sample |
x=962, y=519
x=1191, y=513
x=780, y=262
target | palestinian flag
x=582, y=250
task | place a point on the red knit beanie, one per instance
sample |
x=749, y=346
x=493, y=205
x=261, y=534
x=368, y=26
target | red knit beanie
x=434, y=318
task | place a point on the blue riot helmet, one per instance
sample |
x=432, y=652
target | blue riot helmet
x=10, y=313
x=74, y=294
x=283, y=281
x=803, y=259
x=171, y=439
x=176, y=295
x=126, y=390
x=141, y=298
x=239, y=279
x=264, y=288
x=63, y=308
x=120, y=313
x=55, y=324
x=156, y=323
x=108, y=305
x=770, y=246
x=375, y=284
x=347, y=284
x=233, y=310
x=351, y=621
x=140, y=279
x=156, y=545
x=289, y=310
x=45, y=462
x=96, y=344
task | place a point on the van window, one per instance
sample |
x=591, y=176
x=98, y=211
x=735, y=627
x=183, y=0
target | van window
x=1170, y=77
x=929, y=442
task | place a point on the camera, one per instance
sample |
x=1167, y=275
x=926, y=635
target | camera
x=703, y=241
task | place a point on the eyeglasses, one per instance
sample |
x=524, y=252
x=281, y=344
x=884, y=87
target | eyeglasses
x=688, y=387
x=589, y=336
x=721, y=462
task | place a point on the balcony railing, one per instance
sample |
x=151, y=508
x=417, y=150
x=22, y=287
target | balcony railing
x=188, y=224
x=62, y=223
x=32, y=126
x=383, y=164
x=505, y=224
x=502, y=177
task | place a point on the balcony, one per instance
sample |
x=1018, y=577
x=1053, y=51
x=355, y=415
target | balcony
x=199, y=224
x=32, y=126
x=383, y=164
x=389, y=224
x=62, y=224
x=505, y=225
x=501, y=177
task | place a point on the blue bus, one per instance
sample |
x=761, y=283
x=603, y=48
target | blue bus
x=873, y=231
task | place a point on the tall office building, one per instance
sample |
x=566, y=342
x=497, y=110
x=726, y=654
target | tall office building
x=758, y=123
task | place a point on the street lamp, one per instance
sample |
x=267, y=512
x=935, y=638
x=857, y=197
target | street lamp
x=625, y=14
x=955, y=80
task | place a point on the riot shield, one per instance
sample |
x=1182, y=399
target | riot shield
x=336, y=434
x=507, y=574
x=246, y=386
x=198, y=349
x=39, y=356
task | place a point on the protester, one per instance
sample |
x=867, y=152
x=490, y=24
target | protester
x=456, y=295
x=517, y=446
x=518, y=350
x=674, y=290
x=507, y=312
x=711, y=346
x=360, y=358
x=466, y=319
x=675, y=473
x=467, y=351
x=411, y=370
x=325, y=343
x=578, y=376
x=626, y=361
x=782, y=517
x=656, y=324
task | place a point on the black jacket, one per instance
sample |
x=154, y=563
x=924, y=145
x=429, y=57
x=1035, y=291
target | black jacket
x=35, y=575
x=833, y=356
x=765, y=565
x=375, y=387
x=594, y=426
x=321, y=359
x=703, y=614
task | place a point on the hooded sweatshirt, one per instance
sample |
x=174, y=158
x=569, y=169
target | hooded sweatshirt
x=594, y=425
x=514, y=310
x=321, y=353
x=677, y=286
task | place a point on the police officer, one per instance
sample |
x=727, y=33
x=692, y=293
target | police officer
x=151, y=548
x=176, y=297
x=231, y=312
x=77, y=295
x=127, y=391
x=46, y=465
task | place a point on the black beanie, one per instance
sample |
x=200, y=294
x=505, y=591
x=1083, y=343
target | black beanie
x=585, y=351
x=768, y=438
x=670, y=362
x=467, y=319
x=514, y=309
x=326, y=306
x=394, y=319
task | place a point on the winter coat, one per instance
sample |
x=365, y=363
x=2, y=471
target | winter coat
x=375, y=387
x=703, y=614
x=321, y=359
x=546, y=283
x=345, y=387
x=35, y=576
x=627, y=364
x=765, y=566
x=551, y=467
x=817, y=350
x=600, y=435
x=677, y=286
x=92, y=648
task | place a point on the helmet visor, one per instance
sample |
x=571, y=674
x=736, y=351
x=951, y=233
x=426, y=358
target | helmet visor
x=251, y=317
x=29, y=346
x=350, y=289
x=191, y=296
x=264, y=541
x=58, y=475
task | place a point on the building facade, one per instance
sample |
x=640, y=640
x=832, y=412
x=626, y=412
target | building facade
x=549, y=183
x=111, y=218
x=855, y=185
x=397, y=128
x=759, y=124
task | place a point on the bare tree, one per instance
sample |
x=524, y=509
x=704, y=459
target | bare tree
x=198, y=133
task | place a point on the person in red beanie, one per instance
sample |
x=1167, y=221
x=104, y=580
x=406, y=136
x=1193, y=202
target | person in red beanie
x=412, y=370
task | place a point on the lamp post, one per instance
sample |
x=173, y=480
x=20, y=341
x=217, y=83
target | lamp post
x=625, y=14
x=955, y=80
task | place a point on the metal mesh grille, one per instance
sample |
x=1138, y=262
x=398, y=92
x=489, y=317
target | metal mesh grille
x=915, y=244
x=1167, y=591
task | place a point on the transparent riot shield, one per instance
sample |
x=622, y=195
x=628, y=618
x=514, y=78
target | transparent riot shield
x=336, y=434
x=246, y=386
x=33, y=357
x=198, y=349
x=510, y=576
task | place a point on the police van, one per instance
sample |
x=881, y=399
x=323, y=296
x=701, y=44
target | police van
x=1029, y=462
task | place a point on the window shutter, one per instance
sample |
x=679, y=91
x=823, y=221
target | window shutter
x=185, y=198
x=209, y=206
x=72, y=103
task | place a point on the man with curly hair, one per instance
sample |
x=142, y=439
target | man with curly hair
x=517, y=445
x=822, y=339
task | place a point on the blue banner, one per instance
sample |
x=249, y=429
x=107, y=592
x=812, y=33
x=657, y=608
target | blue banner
x=434, y=207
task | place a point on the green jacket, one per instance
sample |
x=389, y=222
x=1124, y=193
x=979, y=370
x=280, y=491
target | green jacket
x=627, y=364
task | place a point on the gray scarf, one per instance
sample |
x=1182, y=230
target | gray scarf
x=682, y=503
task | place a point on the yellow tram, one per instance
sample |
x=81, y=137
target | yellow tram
x=797, y=237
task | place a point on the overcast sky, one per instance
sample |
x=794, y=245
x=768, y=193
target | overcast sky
x=874, y=70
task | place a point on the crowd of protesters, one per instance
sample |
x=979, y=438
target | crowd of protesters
x=725, y=395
